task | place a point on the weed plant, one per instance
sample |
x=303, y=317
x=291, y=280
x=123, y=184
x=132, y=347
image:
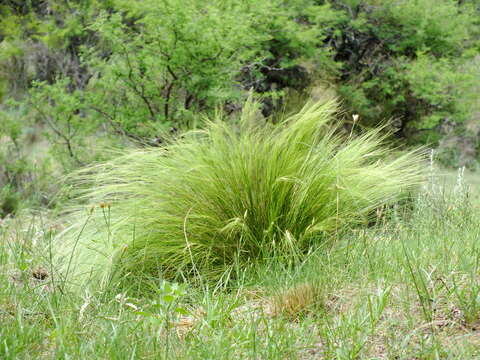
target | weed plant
x=232, y=194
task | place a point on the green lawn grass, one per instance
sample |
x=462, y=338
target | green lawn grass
x=405, y=288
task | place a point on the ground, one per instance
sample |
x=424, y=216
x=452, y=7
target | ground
x=405, y=288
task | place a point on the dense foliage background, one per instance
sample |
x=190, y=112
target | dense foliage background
x=80, y=77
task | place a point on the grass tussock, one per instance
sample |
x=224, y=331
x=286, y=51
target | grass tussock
x=299, y=300
x=231, y=194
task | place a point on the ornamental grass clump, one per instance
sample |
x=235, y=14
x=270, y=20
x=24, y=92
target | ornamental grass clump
x=231, y=194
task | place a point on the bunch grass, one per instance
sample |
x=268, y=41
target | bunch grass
x=231, y=194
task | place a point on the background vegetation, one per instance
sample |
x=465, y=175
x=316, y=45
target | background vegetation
x=80, y=76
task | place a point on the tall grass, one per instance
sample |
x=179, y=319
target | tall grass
x=405, y=288
x=231, y=194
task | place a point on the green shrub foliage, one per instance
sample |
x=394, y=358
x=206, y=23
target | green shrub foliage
x=149, y=66
x=232, y=195
x=409, y=60
x=90, y=74
x=168, y=60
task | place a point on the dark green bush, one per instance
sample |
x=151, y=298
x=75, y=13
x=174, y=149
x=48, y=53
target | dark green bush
x=409, y=60
x=9, y=202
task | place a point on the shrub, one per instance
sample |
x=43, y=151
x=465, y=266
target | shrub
x=231, y=195
x=139, y=68
x=169, y=60
x=411, y=60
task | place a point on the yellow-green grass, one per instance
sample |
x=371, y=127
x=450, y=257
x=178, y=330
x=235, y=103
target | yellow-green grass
x=406, y=288
x=229, y=196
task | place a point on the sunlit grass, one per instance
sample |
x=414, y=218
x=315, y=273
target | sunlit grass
x=231, y=195
x=407, y=287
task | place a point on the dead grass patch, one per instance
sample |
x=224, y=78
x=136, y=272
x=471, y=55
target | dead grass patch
x=297, y=301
